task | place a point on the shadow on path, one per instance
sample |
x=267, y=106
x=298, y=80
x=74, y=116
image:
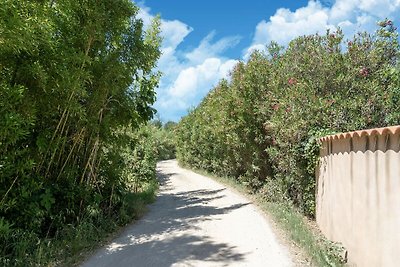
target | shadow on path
x=167, y=234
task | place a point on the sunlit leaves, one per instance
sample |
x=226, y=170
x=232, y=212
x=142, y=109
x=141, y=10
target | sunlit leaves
x=72, y=74
x=261, y=127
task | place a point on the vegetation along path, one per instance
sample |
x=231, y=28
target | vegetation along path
x=195, y=222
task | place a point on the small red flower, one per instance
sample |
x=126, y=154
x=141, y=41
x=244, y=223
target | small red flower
x=275, y=106
x=364, y=72
x=292, y=81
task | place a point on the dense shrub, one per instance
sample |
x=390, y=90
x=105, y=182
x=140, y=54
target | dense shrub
x=262, y=127
x=164, y=138
x=76, y=83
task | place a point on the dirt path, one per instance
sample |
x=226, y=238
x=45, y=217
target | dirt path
x=195, y=222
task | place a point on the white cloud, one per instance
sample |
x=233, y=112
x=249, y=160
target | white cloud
x=207, y=49
x=185, y=83
x=350, y=15
x=194, y=81
x=285, y=24
x=188, y=79
x=380, y=8
x=257, y=46
x=187, y=75
x=192, y=84
x=173, y=33
x=144, y=14
x=342, y=10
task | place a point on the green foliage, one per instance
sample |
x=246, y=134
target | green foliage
x=163, y=137
x=165, y=141
x=263, y=126
x=321, y=251
x=76, y=83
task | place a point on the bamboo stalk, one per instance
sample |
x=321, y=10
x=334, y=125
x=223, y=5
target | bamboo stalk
x=69, y=156
x=80, y=146
x=65, y=113
x=62, y=147
x=112, y=193
x=51, y=140
x=8, y=191
x=87, y=163
x=96, y=151
x=55, y=150
x=92, y=173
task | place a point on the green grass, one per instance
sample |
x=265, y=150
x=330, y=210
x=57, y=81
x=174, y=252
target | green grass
x=295, y=226
x=321, y=251
x=72, y=244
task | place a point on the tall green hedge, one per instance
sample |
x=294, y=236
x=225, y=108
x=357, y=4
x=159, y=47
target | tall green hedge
x=76, y=82
x=261, y=127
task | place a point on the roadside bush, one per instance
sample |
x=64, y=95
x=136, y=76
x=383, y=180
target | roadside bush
x=164, y=136
x=262, y=127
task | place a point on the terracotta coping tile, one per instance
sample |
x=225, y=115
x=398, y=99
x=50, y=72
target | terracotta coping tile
x=369, y=132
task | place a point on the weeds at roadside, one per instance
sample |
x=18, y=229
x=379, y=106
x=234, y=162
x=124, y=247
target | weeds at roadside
x=72, y=243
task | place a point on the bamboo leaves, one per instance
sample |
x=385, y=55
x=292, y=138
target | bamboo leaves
x=72, y=74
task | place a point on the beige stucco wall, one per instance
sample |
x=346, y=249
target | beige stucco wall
x=358, y=195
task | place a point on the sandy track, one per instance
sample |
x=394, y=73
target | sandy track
x=195, y=222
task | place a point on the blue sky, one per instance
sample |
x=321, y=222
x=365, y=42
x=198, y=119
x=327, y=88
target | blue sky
x=203, y=40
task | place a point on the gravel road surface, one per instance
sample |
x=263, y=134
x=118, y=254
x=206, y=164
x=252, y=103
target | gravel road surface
x=195, y=222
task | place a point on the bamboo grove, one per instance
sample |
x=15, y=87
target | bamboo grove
x=262, y=126
x=77, y=80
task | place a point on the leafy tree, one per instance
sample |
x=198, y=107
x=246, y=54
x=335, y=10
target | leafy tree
x=170, y=125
